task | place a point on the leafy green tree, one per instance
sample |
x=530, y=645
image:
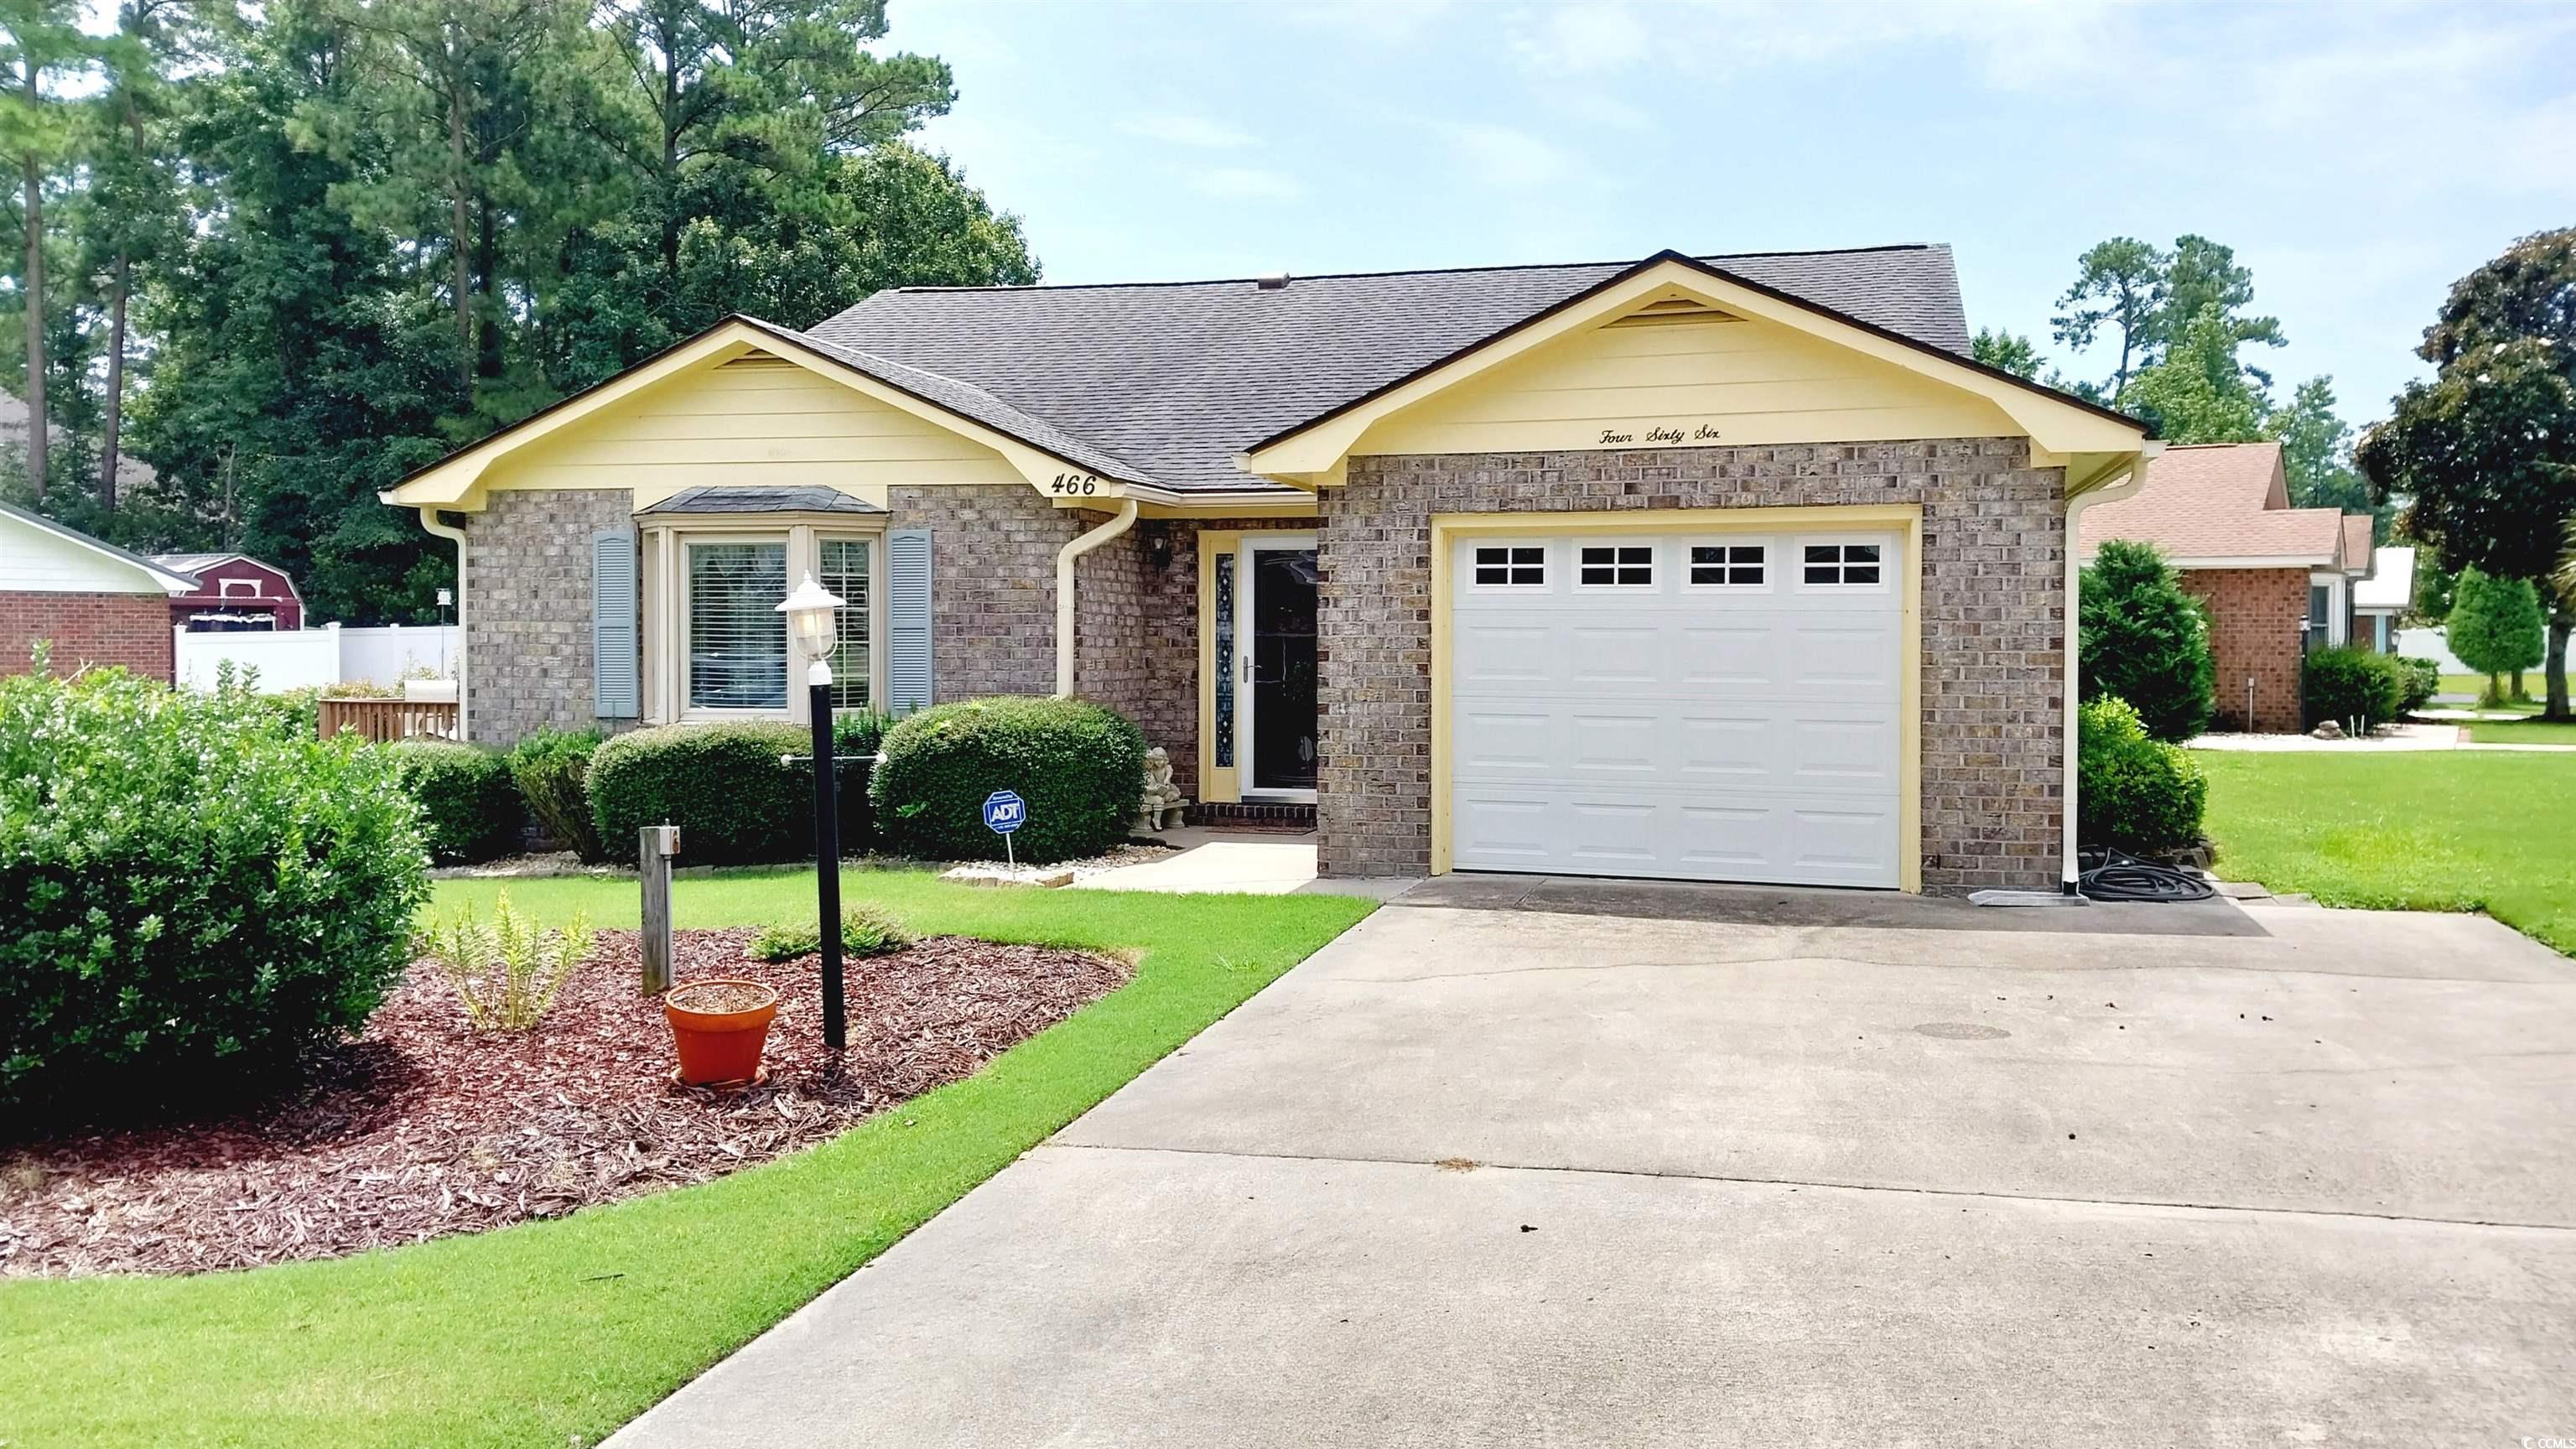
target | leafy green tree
x=2198, y=392
x=2204, y=275
x=2494, y=628
x=2144, y=640
x=2120, y=284
x=2003, y=350
x=40, y=42
x=2316, y=453
x=2486, y=451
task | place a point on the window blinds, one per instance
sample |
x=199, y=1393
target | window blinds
x=737, y=637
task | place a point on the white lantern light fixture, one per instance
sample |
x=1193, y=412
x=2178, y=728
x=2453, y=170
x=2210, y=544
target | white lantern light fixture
x=812, y=612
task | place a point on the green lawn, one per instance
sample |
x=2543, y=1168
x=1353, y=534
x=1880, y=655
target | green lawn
x=555, y=1333
x=2432, y=830
x=2523, y=732
x=2474, y=685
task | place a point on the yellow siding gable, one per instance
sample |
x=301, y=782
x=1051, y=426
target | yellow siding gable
x=1700, y=378
x=754, y=421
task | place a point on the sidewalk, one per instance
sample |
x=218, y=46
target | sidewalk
x=1244, y=862
x=2386, y=738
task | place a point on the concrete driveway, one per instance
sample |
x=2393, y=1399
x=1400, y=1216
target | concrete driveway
x=1525, y=1176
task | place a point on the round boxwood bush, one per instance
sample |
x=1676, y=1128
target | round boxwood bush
x=721, y=784
x=195, y=890
x=2421, y=679
x=469, y=807
x=2133, y=790
x=2343, y=684
x=552, y=770
x=1080, y=766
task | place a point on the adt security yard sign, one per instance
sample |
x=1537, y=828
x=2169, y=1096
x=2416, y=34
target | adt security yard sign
x=1004, y=812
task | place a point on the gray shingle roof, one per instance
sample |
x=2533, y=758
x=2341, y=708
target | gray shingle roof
x=1166, y=382
x=807, y=499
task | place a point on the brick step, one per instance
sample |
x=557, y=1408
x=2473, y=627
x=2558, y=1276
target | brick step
x=1254, y=813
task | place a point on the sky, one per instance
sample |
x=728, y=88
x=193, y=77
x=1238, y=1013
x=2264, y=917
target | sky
x=2358, y=157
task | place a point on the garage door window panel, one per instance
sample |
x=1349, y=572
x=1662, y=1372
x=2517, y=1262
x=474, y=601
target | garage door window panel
x=1615, y=566
x=1735, y=566
x=1517, y=566
x=1843, y=565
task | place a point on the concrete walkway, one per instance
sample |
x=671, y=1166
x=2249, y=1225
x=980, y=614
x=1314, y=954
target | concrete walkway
x=1238, y=861
x=1532, y=1176
x=2385, y=739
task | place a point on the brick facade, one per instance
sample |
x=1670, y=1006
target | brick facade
x=2255, y=619
x=527, y=610
x=1994, y=541
x=132, y=630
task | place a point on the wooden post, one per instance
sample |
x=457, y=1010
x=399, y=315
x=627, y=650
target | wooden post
x=653, y=867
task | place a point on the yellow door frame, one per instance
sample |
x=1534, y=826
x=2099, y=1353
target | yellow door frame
x=1904, y=518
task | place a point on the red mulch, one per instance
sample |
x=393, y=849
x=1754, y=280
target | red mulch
x=423, y=1128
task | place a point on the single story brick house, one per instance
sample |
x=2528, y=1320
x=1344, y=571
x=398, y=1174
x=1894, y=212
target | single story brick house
x=236, y=593
x=1731, y=568
x=90, y=601
x=2278, y=580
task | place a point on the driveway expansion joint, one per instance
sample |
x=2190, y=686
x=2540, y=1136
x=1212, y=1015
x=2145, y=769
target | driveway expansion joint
x=1450, y=1165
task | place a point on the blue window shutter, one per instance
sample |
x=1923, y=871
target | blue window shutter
x=908, y=685
x=615, y=660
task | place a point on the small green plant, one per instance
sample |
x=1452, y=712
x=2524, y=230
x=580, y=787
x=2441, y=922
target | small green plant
x=505, y=972
x=552, y=771
x=2132, y=790
x=2421, y=678
x=865, y=931
x=2345, y=685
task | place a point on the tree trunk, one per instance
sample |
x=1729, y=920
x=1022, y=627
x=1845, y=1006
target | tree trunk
x=670, y=197
x=2562, y=619
x=2521, y=691
x=459, y=217
x=487, y=262
x=33, y=173
x=113, y=424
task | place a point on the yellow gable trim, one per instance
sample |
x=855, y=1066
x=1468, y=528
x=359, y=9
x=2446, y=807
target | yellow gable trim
x=460, y=482
x=1966, y=397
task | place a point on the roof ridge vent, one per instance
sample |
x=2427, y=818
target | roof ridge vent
x=1271, y=281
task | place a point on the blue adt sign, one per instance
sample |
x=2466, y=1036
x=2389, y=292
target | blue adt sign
x=1004, y=812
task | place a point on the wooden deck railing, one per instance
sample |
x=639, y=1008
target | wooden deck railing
x=382, y=720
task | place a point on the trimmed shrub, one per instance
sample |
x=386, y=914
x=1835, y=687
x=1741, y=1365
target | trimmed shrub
x=2144, y=640
x=2133, y=791
x=720, y=783
x=552, y=770
x=2420, y=680
x=865, y=931
x=1080, y=766
x=469, y=809
x=194, y=891
x=2344, y=683
x=2495, y=628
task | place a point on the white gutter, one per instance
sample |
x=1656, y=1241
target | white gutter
x=1119, y=523
x=2127, y=487
x=464, y=696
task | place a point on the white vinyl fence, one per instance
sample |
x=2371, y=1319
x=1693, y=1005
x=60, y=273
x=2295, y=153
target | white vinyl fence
x=311, y=658
x=2430, y=644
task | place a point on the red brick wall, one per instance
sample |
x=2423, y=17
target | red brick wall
x=128, y=629
x=2255, y=616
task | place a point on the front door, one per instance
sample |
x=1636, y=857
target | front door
x=1277, y=651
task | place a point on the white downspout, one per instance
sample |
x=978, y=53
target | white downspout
x=464, y=696
x=1124, y=519
x=2072, y=867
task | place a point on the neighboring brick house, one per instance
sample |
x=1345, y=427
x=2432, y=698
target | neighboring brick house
x=89, y=602
x=236, y=593
x=1733, y=568
x=2278, y=580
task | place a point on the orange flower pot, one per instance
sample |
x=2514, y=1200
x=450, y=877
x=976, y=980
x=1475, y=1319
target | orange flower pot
x=720, y=1027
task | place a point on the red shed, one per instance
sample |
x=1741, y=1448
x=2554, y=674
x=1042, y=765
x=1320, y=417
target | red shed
x=239, y=592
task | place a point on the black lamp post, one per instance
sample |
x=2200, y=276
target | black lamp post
x=812, y=614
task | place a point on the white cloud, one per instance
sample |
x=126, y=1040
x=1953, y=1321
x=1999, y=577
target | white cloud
x=1196, y=132
x=1583, y=38
x=1244, y=183
x=1507, y=158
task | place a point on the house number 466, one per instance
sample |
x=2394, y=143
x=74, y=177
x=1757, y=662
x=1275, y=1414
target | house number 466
x=1077, y=483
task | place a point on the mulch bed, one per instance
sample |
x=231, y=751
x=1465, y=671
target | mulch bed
x=423, y=1128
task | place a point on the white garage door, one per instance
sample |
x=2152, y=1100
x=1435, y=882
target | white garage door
x=1697, y=708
